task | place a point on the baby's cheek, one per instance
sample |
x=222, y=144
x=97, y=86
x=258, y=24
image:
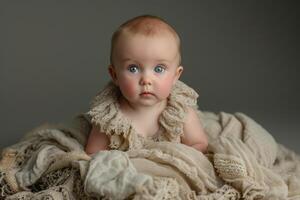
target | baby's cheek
x=165, y=89
x=128, y=89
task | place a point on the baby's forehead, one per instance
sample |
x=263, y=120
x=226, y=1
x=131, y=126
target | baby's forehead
x=148, y=52
x=165, y=38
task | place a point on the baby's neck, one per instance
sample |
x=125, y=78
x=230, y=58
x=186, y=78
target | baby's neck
x=144, y=119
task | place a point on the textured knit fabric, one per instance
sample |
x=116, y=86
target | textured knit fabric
x=243, y=160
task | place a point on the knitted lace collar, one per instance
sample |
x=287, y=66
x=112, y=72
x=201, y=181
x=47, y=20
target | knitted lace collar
x=105, y=113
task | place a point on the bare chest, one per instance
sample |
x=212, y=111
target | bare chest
x=146, y=128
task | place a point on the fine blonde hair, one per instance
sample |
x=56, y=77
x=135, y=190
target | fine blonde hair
x=148, y=25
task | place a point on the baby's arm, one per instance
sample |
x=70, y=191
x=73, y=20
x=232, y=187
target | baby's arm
x=194, y=134
x=97, y=141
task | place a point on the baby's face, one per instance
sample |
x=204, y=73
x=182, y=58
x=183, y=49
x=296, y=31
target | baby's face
x=145, y=68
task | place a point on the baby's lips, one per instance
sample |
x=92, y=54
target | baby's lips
x=146, y=93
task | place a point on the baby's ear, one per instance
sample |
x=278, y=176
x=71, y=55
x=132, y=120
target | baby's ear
x=113, y=74
x=178, y=73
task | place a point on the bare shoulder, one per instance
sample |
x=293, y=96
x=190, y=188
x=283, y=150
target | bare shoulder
x=192, y=120
x=97, y=141
x=191, y=115
x=193, y=130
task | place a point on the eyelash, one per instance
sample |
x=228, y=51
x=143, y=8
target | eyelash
x=163, y=67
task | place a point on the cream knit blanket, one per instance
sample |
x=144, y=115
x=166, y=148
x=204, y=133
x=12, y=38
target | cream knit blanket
x=243, y=159
x=244, y=162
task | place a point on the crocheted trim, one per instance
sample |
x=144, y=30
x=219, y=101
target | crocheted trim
x=234, y=171
x=230, y=167
x=226, y=192
x=8, y=181
x=105, y=113
x=172, y=118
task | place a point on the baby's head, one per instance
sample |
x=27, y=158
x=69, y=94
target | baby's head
x=145, y=59
x=145, y=25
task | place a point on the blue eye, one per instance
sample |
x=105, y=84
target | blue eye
x=133, y=68
x=159, y=69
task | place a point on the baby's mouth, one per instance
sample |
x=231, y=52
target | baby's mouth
x=146, y=93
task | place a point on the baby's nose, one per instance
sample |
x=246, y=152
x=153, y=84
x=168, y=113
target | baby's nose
x=145, y=80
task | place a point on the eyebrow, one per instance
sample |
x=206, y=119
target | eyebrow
x=162, y=60
x=166, y=63
x=128, y=59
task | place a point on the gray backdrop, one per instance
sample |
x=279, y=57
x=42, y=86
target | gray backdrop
x=239, y=55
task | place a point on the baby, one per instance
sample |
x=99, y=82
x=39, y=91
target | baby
x=145, y=65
